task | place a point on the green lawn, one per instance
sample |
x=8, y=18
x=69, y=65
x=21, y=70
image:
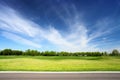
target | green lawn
x=59, y=63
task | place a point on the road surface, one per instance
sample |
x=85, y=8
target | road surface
x=59, y=76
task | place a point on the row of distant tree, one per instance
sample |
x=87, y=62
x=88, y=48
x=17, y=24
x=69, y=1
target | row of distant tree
x=53, y=53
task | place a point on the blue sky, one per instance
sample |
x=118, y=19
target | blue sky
x=60, y=25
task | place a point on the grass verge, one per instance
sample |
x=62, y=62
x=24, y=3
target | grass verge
x=59, y=63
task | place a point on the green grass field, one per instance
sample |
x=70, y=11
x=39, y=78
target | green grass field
x=59, y=63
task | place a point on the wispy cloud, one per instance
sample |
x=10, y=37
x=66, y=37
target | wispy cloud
x=14, y=27
x=19, y=39
x=80, y=36
x=19, y=29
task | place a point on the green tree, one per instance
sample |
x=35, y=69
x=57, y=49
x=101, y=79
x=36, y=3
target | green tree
x=31, y=52
x=16, y=52
x=115, y=52
x=6, y=52
x=63, y=53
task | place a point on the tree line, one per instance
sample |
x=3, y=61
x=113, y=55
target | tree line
x=30, y=52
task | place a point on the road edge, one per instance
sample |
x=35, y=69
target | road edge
x=59, y=72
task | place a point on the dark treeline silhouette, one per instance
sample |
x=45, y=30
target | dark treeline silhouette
x=29, y=52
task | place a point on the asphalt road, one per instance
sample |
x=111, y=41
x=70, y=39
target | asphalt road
x=59, y=76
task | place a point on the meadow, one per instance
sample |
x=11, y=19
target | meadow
x=59, y=63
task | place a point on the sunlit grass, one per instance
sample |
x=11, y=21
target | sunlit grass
x=59, y=63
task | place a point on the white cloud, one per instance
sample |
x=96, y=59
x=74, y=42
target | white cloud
x=11, y=21
x=15, y=27
x=19, y=39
